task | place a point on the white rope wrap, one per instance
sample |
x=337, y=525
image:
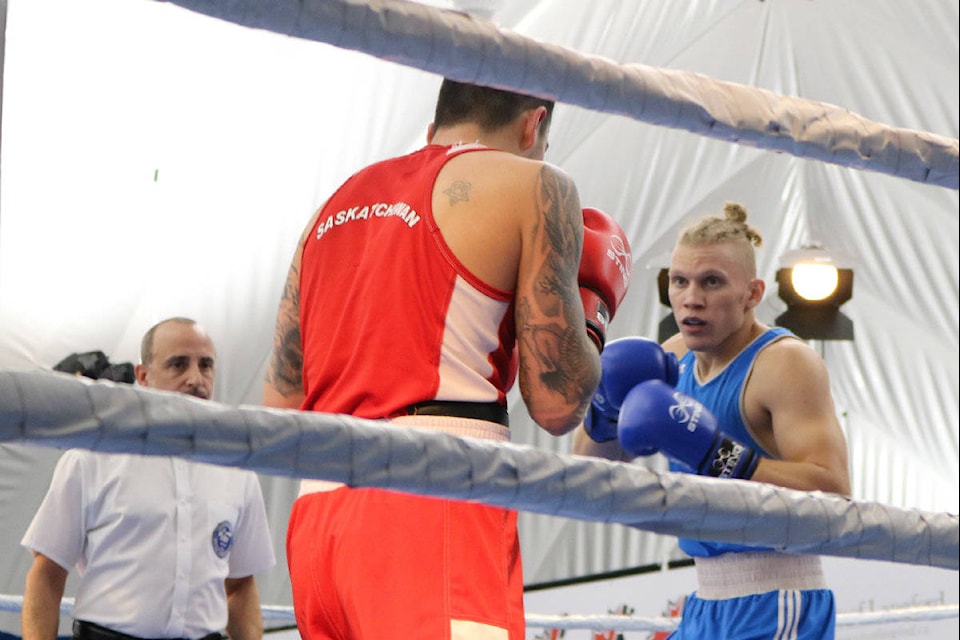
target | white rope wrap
x=456, y=45
x=62, y=410
x=284, y=615
x=639, y=623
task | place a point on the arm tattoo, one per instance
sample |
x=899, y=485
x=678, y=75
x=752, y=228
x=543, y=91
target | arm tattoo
x=562, y=237
x=547, y=321
x=285, y=372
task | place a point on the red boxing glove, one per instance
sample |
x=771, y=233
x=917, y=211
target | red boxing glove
x=605, y=268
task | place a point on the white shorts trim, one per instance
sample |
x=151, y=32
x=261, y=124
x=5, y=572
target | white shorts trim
x=463, y=427
x=470, y=630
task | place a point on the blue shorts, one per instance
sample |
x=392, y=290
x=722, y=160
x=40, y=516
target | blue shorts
x=774, y=615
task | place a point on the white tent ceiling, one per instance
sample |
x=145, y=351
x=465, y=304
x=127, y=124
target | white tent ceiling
x=159, y=162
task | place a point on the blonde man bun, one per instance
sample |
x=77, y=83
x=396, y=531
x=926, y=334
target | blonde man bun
x=731, y=227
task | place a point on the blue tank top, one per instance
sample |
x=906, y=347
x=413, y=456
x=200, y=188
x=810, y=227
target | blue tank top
x=722, y=396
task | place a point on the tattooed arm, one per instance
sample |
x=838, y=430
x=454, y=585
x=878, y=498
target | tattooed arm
x=283, y=385
x=559, y=366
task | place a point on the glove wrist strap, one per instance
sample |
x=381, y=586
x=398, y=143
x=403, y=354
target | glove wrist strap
x=730, y=459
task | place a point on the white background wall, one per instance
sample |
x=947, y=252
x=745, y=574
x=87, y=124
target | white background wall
x=157, y=162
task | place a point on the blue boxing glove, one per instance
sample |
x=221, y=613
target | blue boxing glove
x=656, y=416
x=624, y=363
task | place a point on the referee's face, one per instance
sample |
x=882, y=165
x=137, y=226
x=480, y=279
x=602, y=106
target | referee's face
x=183, y=361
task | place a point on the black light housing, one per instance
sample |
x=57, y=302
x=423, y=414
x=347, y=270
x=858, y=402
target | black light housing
x=815, y=314
x=668, y=325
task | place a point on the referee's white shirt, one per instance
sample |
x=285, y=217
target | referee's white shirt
x=153, y=539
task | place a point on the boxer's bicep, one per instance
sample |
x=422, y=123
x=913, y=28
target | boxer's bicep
x=795, y=389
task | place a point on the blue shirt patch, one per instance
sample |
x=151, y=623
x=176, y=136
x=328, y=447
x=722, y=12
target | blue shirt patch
x=222, y=539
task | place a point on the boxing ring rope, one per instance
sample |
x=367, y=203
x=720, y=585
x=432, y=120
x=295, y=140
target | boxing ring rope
x=456, y=45
x=61, y=410
x=638, y=623
x=284, y=616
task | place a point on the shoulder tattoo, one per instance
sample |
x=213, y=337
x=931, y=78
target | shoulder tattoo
x=285, y=372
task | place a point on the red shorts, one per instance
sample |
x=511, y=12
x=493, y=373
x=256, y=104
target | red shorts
x=367, y=564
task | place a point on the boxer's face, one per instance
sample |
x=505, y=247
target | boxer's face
x=711, y=293
x=183, y=361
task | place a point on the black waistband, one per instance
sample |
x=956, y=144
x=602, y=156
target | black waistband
x=489, y=411
x=83, y=630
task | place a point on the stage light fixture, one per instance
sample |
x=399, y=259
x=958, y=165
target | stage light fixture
x=815, y=284
x=814, y=281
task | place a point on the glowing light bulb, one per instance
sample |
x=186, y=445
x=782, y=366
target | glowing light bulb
x=814, y=281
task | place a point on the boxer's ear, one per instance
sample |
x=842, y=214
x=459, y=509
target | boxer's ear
x=530, y=129
x=756, y=291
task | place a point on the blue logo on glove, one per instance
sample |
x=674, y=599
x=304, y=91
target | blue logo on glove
x=222, y=539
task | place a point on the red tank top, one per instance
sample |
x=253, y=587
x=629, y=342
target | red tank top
x=388, y=316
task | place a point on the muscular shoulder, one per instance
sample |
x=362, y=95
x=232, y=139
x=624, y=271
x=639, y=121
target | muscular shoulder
x=506, y=170
x=491, y=203
x=789, y=353
x=792, y=364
